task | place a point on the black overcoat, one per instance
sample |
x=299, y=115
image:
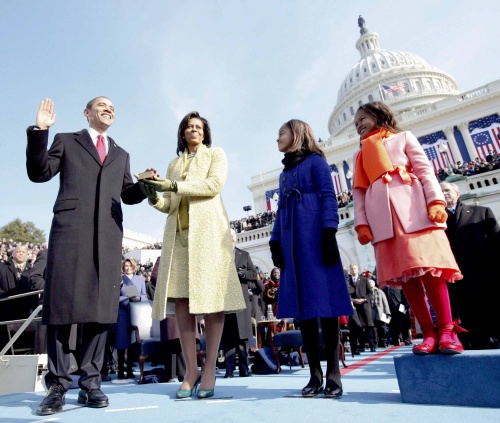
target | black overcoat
x=239, y=325
x=360, y=290
x=83, y=265
x=10, y=285
x=474, y=236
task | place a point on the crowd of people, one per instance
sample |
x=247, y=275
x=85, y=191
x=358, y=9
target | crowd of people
x=253, y=222
x=155, y=246
x=474, y=167
x=7, y=246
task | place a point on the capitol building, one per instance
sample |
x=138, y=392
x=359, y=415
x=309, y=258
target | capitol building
x=452, y=126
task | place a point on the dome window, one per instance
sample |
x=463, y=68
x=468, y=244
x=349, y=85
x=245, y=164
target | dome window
x=344, y=117
x=383, y=62
x=370, y=98
x=365, y=70
x=373, y=65
x=352, y=111
x=357, y=74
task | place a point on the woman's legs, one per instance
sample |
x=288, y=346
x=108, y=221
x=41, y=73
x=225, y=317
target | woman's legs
x=415, y=295
x=214, y=323
x=330, y=330
x=121, y=363
x=186, y=322
x=310, y=335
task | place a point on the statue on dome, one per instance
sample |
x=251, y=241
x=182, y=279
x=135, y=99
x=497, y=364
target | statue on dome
x=362, y=25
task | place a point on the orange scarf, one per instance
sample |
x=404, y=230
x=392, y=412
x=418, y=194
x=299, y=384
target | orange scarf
x=373, y=160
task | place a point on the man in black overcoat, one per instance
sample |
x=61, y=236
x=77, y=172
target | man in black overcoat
x=82, y=282
x=238, y=326
x=474, y=237
x=361, y=321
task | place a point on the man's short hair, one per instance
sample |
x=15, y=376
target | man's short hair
x=91, y=102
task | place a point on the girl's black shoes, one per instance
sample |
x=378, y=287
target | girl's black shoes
x=332, y=390
x=313, y=388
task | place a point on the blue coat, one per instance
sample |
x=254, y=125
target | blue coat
x=308, y=203
x=123, y=323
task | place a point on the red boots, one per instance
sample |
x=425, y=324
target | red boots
x=448, y=339
x=430, y=343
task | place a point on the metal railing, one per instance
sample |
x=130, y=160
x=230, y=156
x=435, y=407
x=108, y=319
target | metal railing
x=25, y=322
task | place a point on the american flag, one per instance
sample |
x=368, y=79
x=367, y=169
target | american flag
x=336, y=179
x=430, y=144
x=394, y=88
x=271, y=204
x=485, y=134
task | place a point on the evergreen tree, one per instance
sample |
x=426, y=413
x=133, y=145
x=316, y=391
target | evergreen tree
x=25, y=232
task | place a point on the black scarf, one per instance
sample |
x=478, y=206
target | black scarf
x=293, y=159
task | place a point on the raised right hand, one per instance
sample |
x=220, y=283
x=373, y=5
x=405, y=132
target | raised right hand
x=46, y=117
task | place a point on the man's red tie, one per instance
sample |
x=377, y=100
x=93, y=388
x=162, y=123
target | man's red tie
x=101, y=148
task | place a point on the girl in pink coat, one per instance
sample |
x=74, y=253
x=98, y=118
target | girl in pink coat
x=400, y=209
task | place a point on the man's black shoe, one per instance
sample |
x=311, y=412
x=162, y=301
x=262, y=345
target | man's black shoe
x=93, y=398
x=228, y=375
x=245, y=373
x=53, y=401
x=105, y=378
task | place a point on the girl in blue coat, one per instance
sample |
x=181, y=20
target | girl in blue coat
x=304, y=247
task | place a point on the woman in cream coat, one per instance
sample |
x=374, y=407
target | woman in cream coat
x=197, y=268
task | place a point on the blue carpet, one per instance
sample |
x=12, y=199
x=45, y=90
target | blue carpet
x=371, y=394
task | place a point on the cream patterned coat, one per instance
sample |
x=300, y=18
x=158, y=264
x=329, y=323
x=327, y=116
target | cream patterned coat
x=213, y=282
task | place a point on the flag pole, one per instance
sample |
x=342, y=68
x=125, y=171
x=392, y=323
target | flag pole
x=382, y=98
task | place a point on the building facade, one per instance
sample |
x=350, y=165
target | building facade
x=452, y=126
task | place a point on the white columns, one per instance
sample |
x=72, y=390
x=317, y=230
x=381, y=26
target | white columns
x=452, y=142
x=340, y=168
x=469, y=144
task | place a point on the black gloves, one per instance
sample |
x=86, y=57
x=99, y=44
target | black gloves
x=134, y=299
x=277, y=254
x=329, y=247
x=241, y=272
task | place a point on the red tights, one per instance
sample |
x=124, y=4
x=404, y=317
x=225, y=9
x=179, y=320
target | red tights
x=437, y=291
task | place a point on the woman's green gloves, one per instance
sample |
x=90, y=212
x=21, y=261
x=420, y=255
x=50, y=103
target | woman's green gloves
x=149, y=192
x=161, y=185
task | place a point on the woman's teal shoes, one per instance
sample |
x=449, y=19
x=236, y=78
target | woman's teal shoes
x=186, y=393
x=206, y=393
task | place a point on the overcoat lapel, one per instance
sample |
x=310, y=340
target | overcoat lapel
x=464, y=213
x=83, y=138
x=113, y=152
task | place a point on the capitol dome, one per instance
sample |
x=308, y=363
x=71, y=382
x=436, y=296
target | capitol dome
x=400, y=79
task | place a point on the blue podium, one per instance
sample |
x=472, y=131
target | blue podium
x=470, y=379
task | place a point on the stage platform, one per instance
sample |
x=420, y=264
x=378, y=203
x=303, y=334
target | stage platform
x=371, y=394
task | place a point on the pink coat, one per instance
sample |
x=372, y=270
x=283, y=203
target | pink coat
x=372, y=206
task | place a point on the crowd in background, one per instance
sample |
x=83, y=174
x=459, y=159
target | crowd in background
x=7, y=246
x=155, y=246
x=474, y=167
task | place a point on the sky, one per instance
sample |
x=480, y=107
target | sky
x=247, y=66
